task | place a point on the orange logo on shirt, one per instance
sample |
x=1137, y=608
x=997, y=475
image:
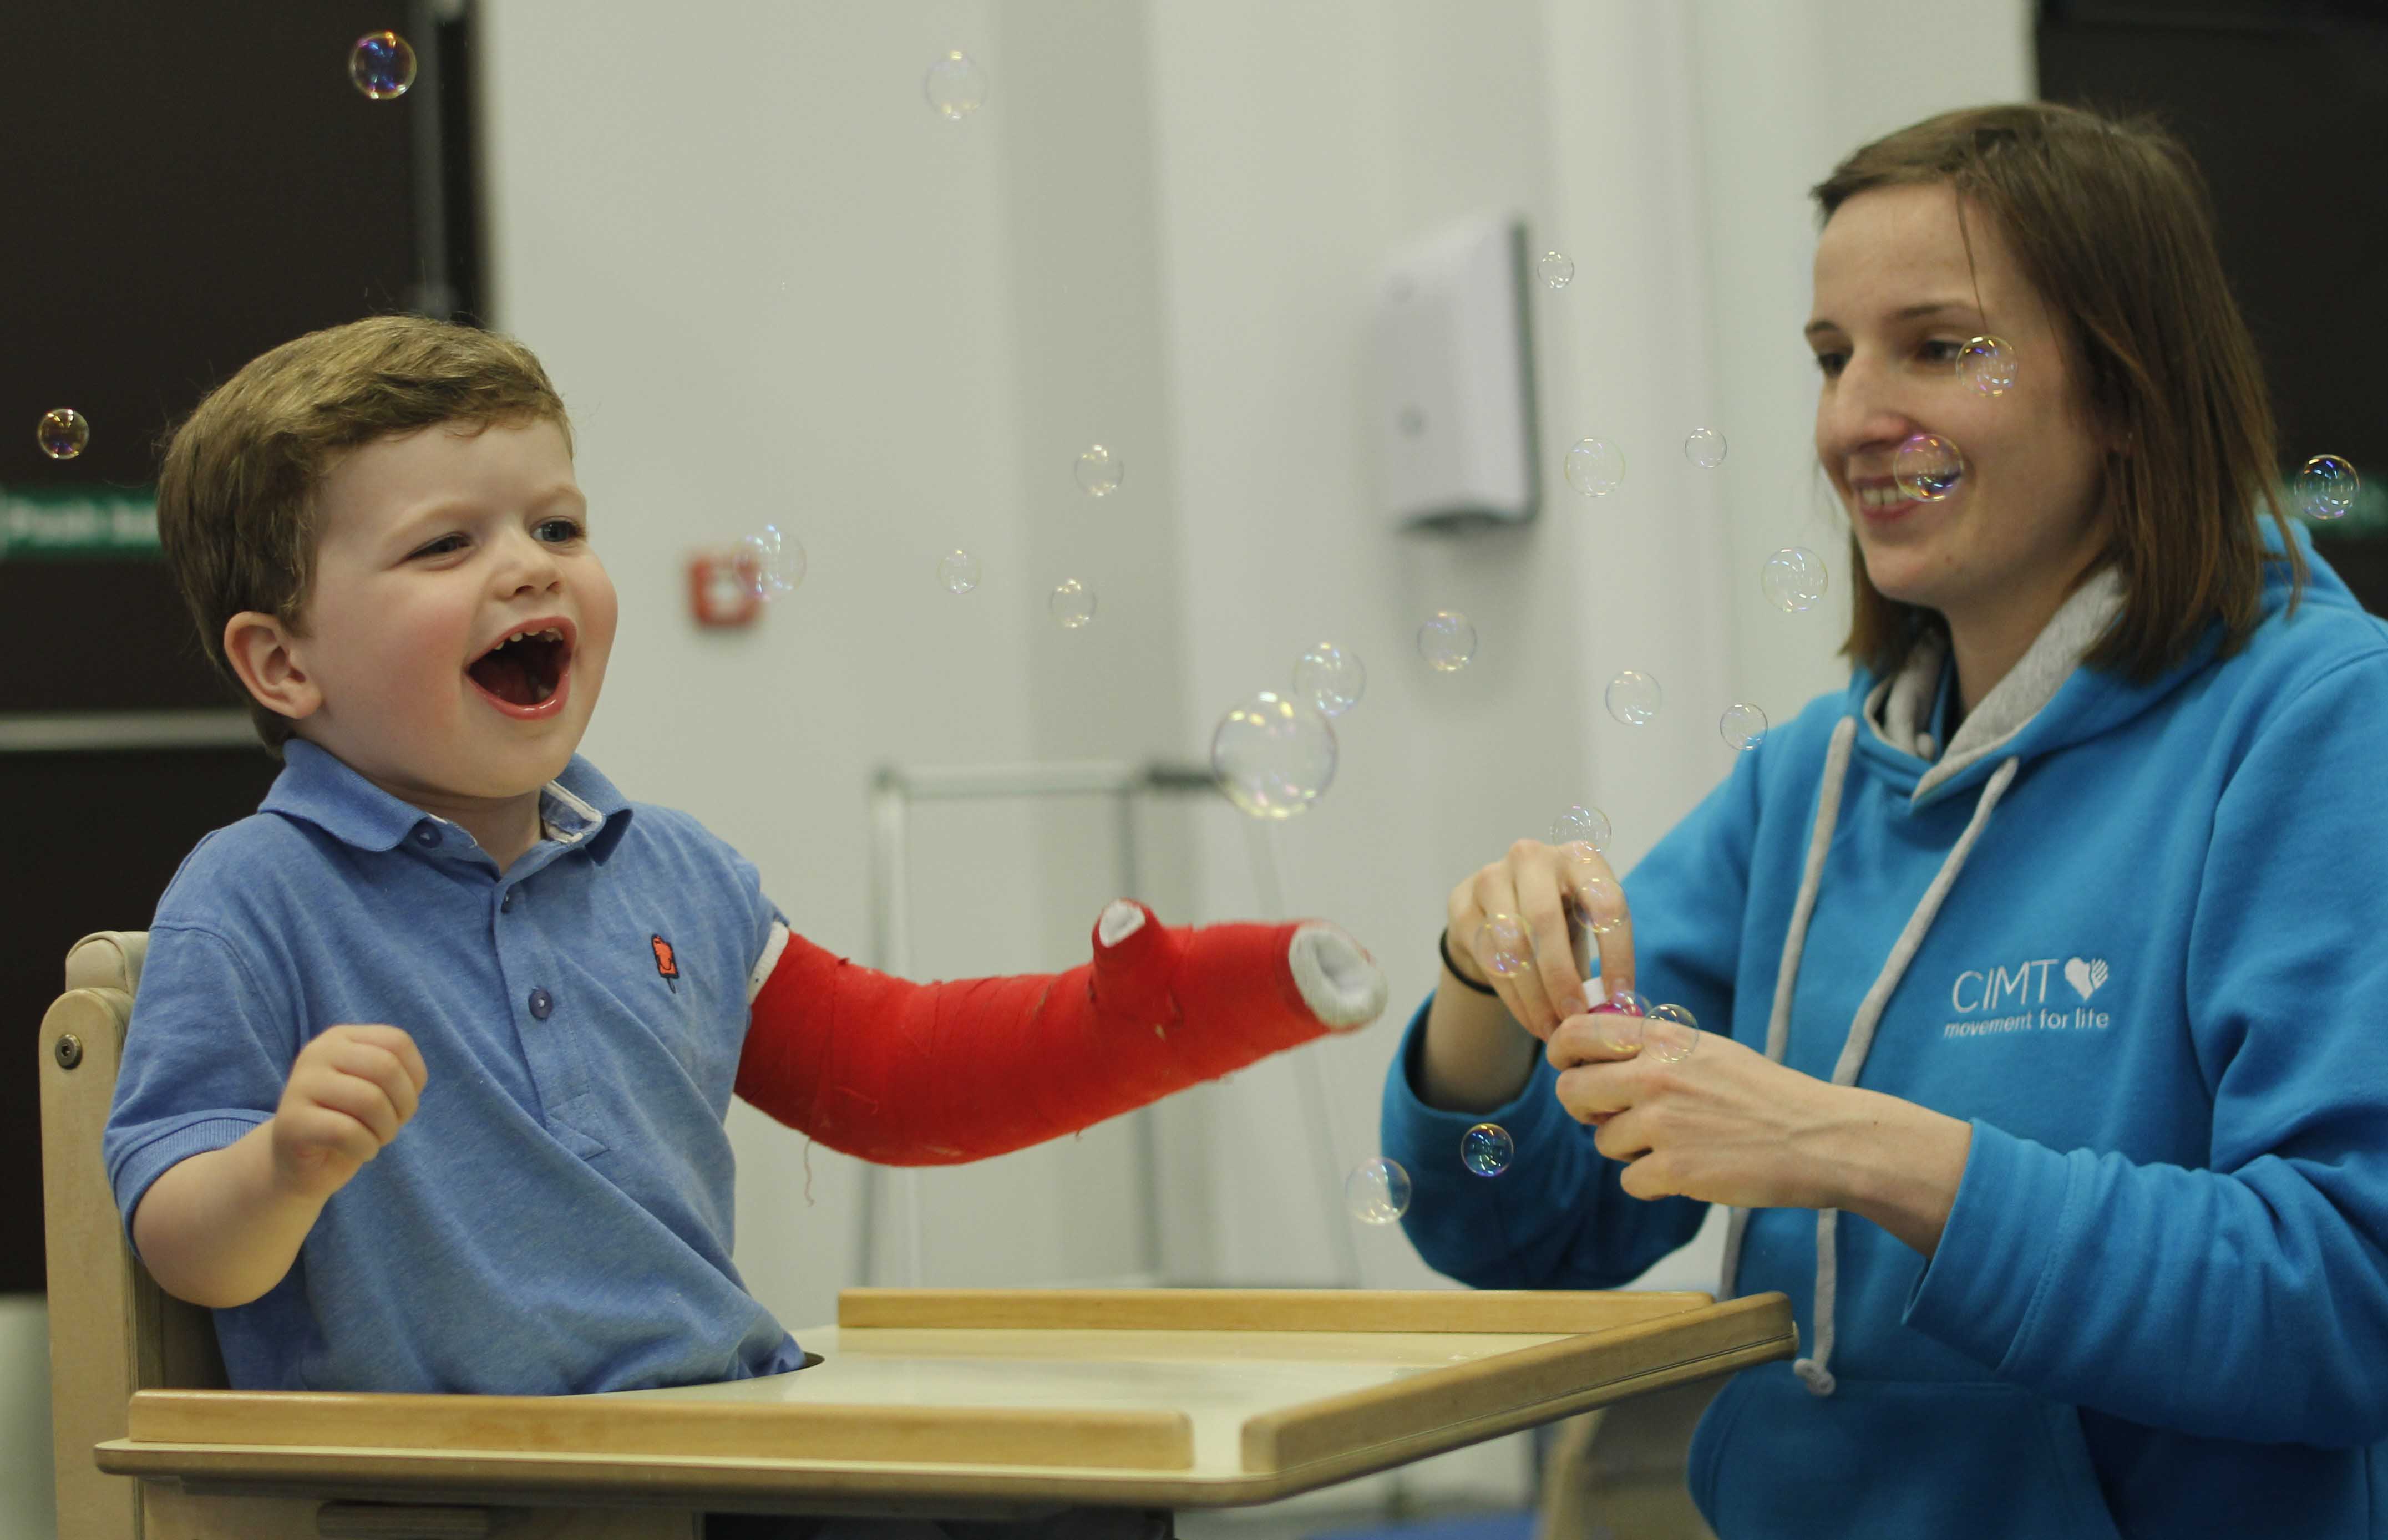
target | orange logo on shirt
x=664, y=965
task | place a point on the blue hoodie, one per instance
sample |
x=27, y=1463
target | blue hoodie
x=2155, y=980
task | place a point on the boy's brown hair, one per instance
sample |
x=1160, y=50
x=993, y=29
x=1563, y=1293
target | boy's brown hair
x=237, y=492
x=2112, y=225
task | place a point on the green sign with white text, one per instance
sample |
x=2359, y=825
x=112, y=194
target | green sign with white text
x=78, y=523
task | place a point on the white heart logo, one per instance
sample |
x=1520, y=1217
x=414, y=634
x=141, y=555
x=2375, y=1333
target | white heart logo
x=2085, y=977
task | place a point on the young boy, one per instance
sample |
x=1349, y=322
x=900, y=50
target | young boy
x=426, y=1080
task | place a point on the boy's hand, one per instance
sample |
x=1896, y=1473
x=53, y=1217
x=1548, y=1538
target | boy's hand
x=351, y=1091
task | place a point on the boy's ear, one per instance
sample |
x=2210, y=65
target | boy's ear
x=259, y=648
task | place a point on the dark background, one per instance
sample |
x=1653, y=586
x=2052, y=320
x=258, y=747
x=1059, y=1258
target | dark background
x=198, y=183
x=2284, y=105
x=195, y=184
x=217, y=185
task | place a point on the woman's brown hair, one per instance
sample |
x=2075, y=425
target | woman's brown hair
x=2112, y=225
x=237, y=511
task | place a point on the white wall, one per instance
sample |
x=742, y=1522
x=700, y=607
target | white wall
x=772, y=284
x=1669, y=150
x=28, y=1479
x=773, y=287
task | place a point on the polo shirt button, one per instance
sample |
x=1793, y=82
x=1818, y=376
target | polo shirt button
x=506, y=905
x=540, y=1003
x=426, y=837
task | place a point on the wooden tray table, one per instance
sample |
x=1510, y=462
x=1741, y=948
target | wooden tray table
x=966, y=1403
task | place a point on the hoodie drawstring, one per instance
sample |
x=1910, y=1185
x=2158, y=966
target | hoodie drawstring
x=1812, y=1371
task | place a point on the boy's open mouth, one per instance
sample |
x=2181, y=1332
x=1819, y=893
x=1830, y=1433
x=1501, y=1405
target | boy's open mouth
x=524, y=667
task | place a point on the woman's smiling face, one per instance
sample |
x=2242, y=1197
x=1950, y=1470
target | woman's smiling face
x=1895, y=302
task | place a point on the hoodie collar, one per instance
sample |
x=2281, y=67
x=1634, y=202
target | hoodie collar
x=1898, y=711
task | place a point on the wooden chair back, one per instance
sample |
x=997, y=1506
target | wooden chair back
x=112, y=1329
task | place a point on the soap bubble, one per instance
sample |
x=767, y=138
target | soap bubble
x=63, y=434
x=1670, y=1033
x=958, y=570
x=1073, y=604
x=1557, y=269
x=1743, y=724
x=1595, y=467
x=1273, y=757
x=1928, y=466
x=382, y=65
x=2326, y=488
x=1792, y=579
x=1329, y=680
x=1486, y=1149
x=1704, y=448
x=1447, y=640
x=956, y=86
x=1988, y=364
x=1624, y=1021
x=1621, y=1031
x=1377, y=1190
x=1503, y=946
x=772, y=563
x=1634, y=699
x=1101, y=471
x=1598, y=900
x=1581, y=825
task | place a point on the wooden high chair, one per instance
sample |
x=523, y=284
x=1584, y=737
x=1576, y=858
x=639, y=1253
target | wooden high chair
x=1052, y=1414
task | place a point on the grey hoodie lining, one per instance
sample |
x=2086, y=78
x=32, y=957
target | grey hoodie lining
x=1895, y=710
x=1902, y=704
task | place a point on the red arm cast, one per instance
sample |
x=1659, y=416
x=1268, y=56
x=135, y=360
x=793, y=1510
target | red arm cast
x=909, y=1074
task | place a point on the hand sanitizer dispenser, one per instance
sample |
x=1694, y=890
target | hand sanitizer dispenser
x=1453, y=381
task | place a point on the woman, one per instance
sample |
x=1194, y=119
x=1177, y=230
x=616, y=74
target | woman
x=2042, y=970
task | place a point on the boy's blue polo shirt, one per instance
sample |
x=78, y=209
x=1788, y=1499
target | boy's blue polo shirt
x=556, y=1217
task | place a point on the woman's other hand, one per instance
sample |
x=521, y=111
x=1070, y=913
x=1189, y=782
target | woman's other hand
x=1562, y=897
x=1723, y=1124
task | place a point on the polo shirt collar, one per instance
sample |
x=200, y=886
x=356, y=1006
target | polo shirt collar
x=579, y=807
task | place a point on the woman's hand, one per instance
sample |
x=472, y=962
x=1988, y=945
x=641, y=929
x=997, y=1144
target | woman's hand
x=1724, y=1124
x=1558, y=894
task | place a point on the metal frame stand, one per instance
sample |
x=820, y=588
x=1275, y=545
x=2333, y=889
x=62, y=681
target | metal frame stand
x=894, y=790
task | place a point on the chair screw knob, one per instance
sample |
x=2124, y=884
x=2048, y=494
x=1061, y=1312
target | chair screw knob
x=69, y=1050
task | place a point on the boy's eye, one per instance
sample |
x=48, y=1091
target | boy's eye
x=1942, y=352
x=1829, y=363
x=570, y=527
